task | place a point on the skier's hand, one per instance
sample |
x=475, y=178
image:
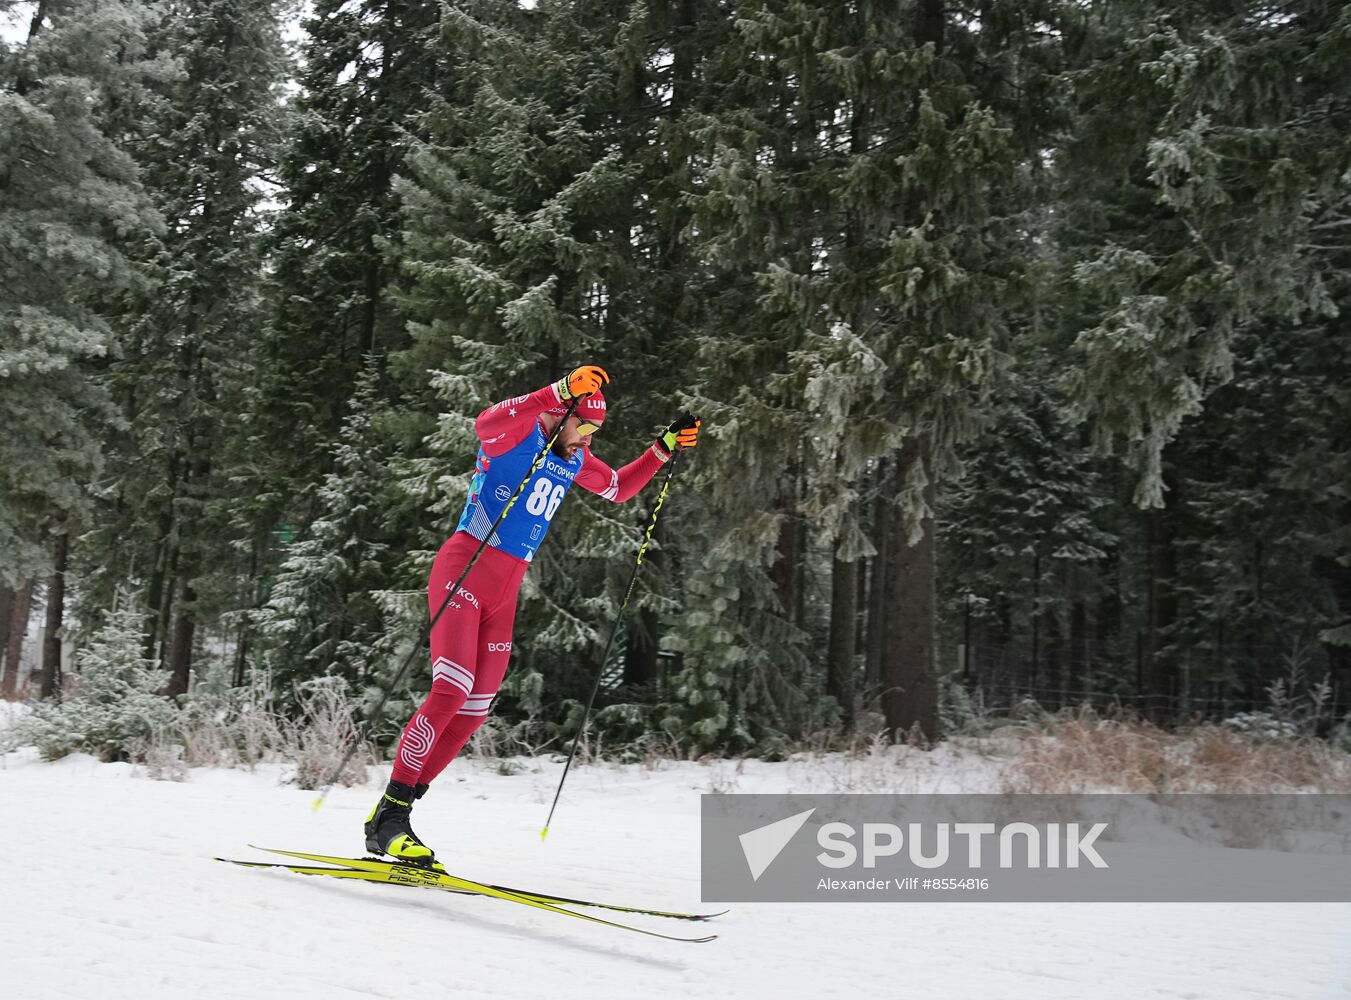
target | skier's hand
x=683, y=432
x=581, y=381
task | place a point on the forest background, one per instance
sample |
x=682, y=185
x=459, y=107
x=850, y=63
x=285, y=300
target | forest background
x=1017, y=328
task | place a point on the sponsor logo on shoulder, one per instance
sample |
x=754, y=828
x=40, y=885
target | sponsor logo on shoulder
x=503, y=493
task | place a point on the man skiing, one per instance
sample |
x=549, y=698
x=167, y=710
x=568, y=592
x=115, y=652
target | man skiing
x=471, y=642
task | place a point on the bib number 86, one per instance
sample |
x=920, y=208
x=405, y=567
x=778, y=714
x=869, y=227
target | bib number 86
x=545, y=498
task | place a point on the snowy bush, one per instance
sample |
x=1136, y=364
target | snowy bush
x=1296, y=705
x=1262, y=726
x=1340, y=737
x=113, y=708
x=225, y=726
x=955, y=711
x=624, y=723
x=114, y=711
x=9, y=733
x=162, y=757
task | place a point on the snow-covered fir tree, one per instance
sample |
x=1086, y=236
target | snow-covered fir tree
x=115, y=700
x=71, y=207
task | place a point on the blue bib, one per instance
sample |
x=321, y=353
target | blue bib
x=496, y=478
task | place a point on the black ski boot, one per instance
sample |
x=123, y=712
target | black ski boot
x=388, y=830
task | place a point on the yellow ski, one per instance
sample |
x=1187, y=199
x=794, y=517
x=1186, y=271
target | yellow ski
x=376, y=864
x=369, y=870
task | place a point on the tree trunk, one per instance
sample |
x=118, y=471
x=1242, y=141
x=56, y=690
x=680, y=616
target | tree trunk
x=18, y=625
x=25, y=80
x=241, y=656
x=159, y=597
x=1034, y=668
x=6, y=607
x=1055, y=661
x=1079, y=658
x=843, y=626
x=154, y=598
x=911, y=695
x=1160, y=662
x=164, y=611
x=1108, y=622
x=860, y=595
x=1338, y=578
x=931, y=24
x=180, y=650
x=252, y=601
x=56, y=613
x=787, y=567
x=876, y=641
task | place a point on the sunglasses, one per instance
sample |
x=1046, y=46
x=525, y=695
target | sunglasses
x=586, y=428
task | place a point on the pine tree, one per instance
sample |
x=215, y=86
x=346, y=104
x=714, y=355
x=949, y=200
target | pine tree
x=1191, y=205
x=333, y=608
x=1202, y=217
x=205, y=141
x=71, y=205
x=116, y=701
x=1026, y=538
x=369, y=69
x=860, y=201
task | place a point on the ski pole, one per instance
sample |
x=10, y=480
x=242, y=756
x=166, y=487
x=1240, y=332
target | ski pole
x=450, y=593
x=614, y=630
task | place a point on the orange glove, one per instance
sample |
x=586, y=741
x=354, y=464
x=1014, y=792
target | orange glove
x=683, y=432
x=582, y=381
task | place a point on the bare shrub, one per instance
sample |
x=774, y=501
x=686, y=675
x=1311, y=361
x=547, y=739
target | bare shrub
x=1220, y=760
x=1296, y=702
x=207, y=743
x=724, y=775
x=656, y=750
x=498, y=738
x=319, y=739
x=258, y=730
x=871, y=764
x=226, y=726
x=161, y=757
x=1085, y=753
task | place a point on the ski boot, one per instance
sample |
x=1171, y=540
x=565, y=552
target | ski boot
x=388, y=830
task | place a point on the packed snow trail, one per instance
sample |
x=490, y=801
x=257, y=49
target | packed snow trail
x=107, y=889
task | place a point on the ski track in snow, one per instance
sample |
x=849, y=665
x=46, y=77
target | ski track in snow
x=125, y=901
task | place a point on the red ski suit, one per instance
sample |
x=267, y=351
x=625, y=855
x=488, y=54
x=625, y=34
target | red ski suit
x=471, y=642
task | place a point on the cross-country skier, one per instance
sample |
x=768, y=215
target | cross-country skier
x=471, y=643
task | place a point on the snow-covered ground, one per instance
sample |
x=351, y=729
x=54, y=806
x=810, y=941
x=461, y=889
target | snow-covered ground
x=108, y=890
